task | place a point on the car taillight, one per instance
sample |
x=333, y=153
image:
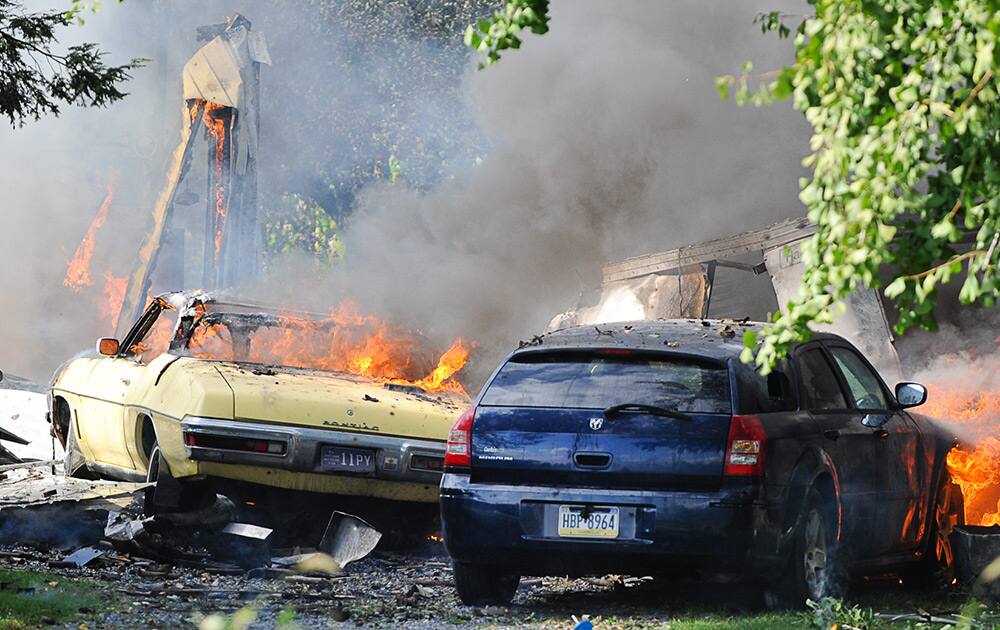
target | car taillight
x=228, y=443
x=745, y=450
x=458, y=453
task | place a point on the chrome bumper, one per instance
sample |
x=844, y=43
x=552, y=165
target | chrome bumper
x=396, y=458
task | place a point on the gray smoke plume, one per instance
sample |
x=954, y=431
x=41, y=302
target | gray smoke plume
x=604, y=138
x=608, y=140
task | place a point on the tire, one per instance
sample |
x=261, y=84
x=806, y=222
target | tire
x=936, y=568
x=816, y=568
x=479, y=585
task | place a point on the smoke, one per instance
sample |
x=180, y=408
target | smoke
x=960, y=364
x=608, y=139
x=605, y=138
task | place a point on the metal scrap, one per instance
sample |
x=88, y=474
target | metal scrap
x=247, y=545
x=348, y=538
x=79, y=558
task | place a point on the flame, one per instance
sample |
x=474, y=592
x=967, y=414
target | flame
x=448, y=365
x=970, y=402
x=977, y=473
x=217, y=129
x=110, y=305
x=78, y=269
x=343, y=341
x=156, y=341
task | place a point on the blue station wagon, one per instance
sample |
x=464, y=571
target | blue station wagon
x=649, y=448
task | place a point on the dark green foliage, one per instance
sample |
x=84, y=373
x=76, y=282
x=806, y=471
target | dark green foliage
x=371, y=92
x=36, y=79
x=772, y=21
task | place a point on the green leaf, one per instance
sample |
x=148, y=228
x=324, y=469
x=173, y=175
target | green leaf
x=895, y=288
x=956, y=174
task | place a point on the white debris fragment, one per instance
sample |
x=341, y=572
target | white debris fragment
x=23, y=414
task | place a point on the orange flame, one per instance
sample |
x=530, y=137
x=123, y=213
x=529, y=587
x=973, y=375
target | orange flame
x=114, y=294
x=156, y=341
x=78, y=269
x=344, y=341
x=977, y=473
x=448, y=365
x=217, y=129
x=970, y=401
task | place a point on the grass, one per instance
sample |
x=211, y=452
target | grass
x=32, y=600
x=767, y=621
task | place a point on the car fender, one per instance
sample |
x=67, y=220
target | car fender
x=813, y=464
x=936, y=441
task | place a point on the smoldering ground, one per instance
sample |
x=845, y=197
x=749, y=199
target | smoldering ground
x=602, y=139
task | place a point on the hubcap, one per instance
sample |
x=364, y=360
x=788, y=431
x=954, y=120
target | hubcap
x=814, y=556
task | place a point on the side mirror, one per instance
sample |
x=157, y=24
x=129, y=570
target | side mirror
x=108, y=346
x=910, y=395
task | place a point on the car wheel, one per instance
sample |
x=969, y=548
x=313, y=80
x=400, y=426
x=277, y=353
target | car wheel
x=816, y=569
x=479, y=585
x=937, y=565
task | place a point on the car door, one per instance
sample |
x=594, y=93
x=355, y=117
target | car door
x=850, y=444
x=101, y=421
x=901, y=514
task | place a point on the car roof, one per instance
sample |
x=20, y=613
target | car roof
x=718, y=339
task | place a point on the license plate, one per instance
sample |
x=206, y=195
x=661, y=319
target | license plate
x=579, y=522
x=344, y=459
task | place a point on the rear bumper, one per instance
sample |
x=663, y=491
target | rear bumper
x=709, y=532
x=396, y=459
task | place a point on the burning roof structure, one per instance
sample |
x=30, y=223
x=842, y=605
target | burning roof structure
x=221, y=89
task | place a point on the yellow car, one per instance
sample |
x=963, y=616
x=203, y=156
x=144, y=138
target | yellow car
x=201, y=390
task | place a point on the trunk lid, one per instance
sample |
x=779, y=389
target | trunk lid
x=332, y=400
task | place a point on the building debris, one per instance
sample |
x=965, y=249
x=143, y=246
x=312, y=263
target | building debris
x=348, y=538
x=249, y=546
x=80, y=558
x=46, y=489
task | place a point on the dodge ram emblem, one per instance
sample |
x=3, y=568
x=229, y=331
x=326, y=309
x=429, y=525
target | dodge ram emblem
x=596, y=423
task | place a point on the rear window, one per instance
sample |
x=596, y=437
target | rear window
x=588, y=381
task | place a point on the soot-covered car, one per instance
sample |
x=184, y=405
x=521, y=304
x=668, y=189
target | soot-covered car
x=650, y=448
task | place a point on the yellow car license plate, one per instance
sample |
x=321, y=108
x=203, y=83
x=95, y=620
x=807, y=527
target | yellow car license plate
x=576, y=521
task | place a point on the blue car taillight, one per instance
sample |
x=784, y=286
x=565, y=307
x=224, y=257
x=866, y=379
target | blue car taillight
x=746, y=446
x=458, y=453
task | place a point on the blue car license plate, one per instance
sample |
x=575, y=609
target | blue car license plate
x=345, y=459
x=579, y=522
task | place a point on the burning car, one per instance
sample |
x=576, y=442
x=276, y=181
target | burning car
x=650, y=448
x=201, y=390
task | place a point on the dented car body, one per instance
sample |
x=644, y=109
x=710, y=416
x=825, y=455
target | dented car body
x=191, y=393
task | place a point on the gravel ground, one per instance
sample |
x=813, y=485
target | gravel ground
x=384, y=590
x=413, y=590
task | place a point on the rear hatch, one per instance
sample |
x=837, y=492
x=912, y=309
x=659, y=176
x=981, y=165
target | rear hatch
x=545, y=420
